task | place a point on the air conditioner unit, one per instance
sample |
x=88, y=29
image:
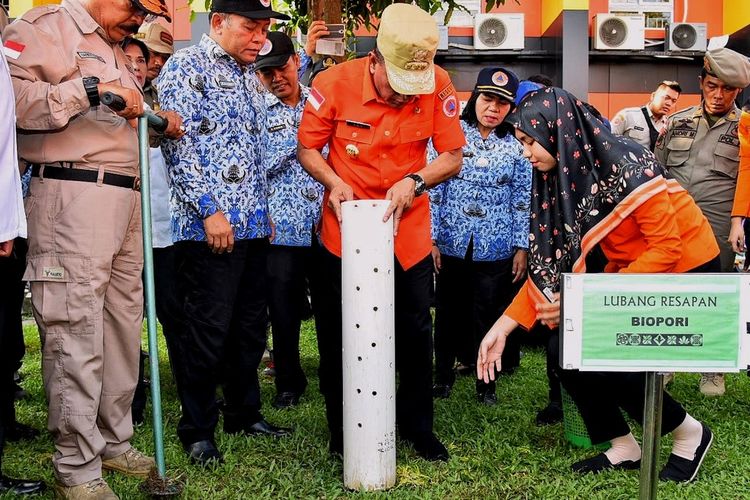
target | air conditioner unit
x=685, y=36
x=498, y=32
x=615, y=32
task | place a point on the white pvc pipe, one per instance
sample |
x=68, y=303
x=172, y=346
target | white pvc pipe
x=369, y=353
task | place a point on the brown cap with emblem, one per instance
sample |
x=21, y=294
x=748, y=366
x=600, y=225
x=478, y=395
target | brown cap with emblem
x=728, y=66
x=156, y=37
x=408, y=39
x=155, y=7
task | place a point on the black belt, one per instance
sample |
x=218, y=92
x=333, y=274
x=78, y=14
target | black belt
x=83, y=175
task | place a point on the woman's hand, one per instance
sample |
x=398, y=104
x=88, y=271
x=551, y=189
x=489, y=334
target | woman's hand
x=492, y=347
x=737, y=235
x=549, y=314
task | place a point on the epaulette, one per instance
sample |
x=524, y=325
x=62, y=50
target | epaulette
x=38, y=12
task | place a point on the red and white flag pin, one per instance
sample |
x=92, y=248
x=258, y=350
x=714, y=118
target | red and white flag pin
x=13, y=49
x=316, y=99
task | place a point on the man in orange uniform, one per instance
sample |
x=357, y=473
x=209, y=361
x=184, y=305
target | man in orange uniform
x=376, y=115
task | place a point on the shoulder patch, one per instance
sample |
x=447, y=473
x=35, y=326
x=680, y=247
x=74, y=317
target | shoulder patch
x=316, y=99
x=447, y=91
x=450, y=108
x=13, y=50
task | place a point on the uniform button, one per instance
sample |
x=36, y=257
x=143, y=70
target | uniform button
x=386, y=181
x=384, y=155
x=387, y=133
x=419, y=133
x=354, y=134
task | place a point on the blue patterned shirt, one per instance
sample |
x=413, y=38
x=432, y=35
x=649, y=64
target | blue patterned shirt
x=488, y=201
x=217, y=165
x=295, y=199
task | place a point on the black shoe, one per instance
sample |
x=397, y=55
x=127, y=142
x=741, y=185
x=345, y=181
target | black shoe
x=600, y=463
x=21, y=432
x=20, y=486
x=441, y=391
x=286, y=400
x=550, y=414
x=259, y=428
x=683, y=470
x=429, y=447
x=204, y=453
x=487, y=398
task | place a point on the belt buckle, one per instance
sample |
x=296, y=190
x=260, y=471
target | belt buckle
x=136, y=184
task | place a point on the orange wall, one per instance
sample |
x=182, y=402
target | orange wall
x=609, y=104
x=699, y=11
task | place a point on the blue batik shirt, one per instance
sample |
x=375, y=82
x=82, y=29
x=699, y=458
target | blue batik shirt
x=294, y=197
x=487, y=202
x=217, y=165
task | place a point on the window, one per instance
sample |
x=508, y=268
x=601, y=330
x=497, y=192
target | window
x=656, y=12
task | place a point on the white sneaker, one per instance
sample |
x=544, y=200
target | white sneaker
x=712, y=384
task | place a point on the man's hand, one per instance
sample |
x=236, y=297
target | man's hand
x=219, y=233
x=340, y=193
x=519, y=265
x=175, y=129
x=316, y=30
x=133, y=99
x=737, y=235
x=436, y=262
x=401, y=195
x=6, y=248
x=549, y=313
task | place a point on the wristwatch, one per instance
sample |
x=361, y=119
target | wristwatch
x=419, y=185
x=92, y=91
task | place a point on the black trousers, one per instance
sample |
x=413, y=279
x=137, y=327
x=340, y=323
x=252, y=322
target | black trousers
x=289, y=269
x=470, y=296
x=11, y=332
x=600, y=395
x=224, y=312
x=413, y=290
x=169, y=303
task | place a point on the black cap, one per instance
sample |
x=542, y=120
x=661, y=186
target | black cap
x=252, y=9
x=498, y=81
x=276, y=51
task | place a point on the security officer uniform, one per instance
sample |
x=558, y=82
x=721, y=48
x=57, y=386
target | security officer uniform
x=639, y=124
x=85, y=253
x=704, y=158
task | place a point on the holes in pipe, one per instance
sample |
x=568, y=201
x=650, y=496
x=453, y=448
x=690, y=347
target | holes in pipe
x=373, y=344
x=375, y=269
x=374, y=393
x=357, y=325
x=359, y=358
x=359, y=425
x=358, y=288
x=357, y=250
x=375, y=308
x=359, y=391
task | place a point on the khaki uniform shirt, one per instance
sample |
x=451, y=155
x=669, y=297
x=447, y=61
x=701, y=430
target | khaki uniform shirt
x=631, y=123
x=705, y=161
x=56, y=46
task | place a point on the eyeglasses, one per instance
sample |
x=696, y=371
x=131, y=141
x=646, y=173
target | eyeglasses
x=141, y=12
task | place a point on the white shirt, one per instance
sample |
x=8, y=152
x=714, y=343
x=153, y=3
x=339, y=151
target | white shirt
x=631, y=123
x=12, y=216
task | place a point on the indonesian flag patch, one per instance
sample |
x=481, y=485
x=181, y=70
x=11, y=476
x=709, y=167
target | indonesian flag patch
x=13, y=49
x=316, y=99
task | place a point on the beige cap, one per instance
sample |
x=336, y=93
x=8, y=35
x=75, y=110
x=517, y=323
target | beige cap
x=728, y=66
x=408, y=39
x=156, y=37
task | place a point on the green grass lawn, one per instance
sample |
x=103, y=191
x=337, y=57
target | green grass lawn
x=496, y=452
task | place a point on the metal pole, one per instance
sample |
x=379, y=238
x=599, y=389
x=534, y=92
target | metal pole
x=148, y=266
x=651, y=435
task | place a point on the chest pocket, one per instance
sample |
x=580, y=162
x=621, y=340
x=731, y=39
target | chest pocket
x=416, y=135
x=726, y=160
x=679, y=151
x=362, y=137
x=640, y=134
x=106, y=73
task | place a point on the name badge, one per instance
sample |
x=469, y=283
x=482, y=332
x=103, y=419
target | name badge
x=358, y=124
x=276, y=128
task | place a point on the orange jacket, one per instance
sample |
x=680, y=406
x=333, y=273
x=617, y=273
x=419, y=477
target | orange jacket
x=668, y=233
x=741, y=206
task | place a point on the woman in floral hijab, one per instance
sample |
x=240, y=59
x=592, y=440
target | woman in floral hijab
x=590, y=187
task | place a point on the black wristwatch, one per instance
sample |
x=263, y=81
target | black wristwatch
x=92, y=91
x=419, y=185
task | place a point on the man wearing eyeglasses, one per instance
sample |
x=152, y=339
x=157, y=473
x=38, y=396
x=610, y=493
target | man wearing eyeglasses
x=644, y=124
x=84, y=225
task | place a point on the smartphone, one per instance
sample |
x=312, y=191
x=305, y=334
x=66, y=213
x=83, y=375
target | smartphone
x=332, y=44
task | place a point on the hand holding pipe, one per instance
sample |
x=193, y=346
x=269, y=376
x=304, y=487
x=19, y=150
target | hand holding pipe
x=117, y=103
